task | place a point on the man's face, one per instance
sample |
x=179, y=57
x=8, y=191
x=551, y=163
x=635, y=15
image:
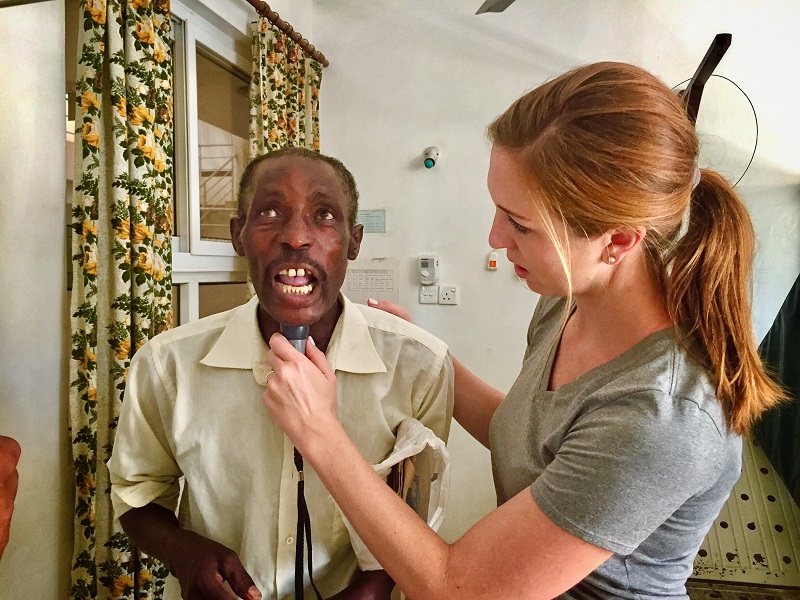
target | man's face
x=297, y=238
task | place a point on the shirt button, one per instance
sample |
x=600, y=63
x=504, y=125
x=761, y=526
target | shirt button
x=290, y=540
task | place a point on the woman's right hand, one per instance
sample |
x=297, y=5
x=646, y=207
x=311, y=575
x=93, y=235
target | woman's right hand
x=9, y=480
x=391, y=308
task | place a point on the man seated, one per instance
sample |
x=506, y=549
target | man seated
x=193, y=406
x=9, y=479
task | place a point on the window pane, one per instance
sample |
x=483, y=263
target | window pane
x=180, y=201
x=217, y=297
x=176, y=305
x=223, y=114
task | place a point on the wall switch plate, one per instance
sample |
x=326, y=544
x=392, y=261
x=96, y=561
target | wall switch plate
x=448, y=294
x=429, y=294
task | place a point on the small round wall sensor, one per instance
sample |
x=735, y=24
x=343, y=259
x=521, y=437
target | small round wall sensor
x=431, y=156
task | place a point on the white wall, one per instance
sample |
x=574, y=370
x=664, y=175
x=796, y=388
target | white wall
x=232, y=16
x=34, y=315
x=407, y=75
x=403, y=76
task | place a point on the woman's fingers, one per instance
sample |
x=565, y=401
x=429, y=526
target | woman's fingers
x=317, y=356
x=391, y=308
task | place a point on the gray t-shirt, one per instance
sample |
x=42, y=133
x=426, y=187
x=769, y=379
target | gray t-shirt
x=632, y=456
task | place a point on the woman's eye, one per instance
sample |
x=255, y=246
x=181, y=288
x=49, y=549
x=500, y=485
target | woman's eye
x=517, y=227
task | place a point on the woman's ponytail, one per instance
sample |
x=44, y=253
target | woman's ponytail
x=708, y=296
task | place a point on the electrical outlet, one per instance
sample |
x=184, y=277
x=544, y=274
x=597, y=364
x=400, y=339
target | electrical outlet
x=448, y=294
x=429, y=294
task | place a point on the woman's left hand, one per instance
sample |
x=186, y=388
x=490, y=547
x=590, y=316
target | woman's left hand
x=301, y=390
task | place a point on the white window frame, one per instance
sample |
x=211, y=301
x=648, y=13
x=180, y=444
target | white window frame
x=195, y=260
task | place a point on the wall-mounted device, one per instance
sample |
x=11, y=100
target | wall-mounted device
x=431, y=156
x=491, y=261
x=428, y=269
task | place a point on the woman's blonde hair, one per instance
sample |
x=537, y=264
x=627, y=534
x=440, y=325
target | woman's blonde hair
x=609, y=145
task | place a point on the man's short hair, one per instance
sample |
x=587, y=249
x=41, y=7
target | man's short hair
x=247, y=183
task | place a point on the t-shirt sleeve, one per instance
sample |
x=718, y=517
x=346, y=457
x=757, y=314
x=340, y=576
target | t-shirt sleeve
x=623, y=469
x=142, y=465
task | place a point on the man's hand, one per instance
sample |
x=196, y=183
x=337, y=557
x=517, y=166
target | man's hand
x=9, y=480
x=368, y=585
x=208, y=570
x=205, y=569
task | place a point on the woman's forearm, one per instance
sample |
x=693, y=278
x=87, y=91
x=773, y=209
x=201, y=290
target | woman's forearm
x=475, y=402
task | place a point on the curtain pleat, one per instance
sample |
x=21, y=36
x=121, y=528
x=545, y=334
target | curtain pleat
x=284, y=92
x=121, y=288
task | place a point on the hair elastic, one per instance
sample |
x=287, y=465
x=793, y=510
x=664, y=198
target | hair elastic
x=696, y=177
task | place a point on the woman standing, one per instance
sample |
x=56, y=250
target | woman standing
x=620, y=441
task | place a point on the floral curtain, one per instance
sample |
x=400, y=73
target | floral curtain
x=284, y=92
x=121, y=287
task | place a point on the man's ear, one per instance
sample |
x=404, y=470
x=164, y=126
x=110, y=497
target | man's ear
x=237, y=223
x=624, y=241
x=356, y=235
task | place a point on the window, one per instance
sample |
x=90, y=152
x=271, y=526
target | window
x=223, y=113
x=211, y=85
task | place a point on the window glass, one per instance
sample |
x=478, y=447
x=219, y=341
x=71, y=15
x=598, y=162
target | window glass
x=218, y=297
x=180, y=196
x=176, y=305
x=223, y=115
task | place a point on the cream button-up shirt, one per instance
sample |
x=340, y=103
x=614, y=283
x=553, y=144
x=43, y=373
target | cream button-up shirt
x=193, y=413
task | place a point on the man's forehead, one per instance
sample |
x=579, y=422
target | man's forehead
x=276, y=171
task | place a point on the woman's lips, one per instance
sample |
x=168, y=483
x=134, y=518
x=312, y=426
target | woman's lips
x=521, y=273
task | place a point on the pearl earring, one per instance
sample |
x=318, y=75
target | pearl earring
x=612, y=259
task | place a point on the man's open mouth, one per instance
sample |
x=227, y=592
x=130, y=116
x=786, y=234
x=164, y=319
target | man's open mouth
x=298, y=281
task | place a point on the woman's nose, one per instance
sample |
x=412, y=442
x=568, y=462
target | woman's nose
x=496, y=236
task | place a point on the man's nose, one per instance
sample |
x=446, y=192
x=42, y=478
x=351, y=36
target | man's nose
x=297, y=232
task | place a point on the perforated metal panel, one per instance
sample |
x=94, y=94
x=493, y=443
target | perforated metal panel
x=756, y=538
x=722, y=591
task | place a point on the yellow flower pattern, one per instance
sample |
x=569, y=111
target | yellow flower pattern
x=97, y=10
x=90, y=134
x=124, y=109
x=122, y=585
x=284, y=97
x=139, y=115
x=89, y=100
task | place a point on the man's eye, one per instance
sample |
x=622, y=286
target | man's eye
x=325, y=215
x=269, y=213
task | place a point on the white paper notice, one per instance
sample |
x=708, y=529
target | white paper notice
x=376, y=278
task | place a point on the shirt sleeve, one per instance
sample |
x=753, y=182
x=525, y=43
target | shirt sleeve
x=623, y=469
x=435, y=412
x=142, y=465
x=436, y=402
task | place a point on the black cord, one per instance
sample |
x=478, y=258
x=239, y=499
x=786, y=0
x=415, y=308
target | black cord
x=303, y=531
x=755, y=117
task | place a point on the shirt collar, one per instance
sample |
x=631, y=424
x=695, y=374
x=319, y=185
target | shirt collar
x=240, y=346
x=351, y=347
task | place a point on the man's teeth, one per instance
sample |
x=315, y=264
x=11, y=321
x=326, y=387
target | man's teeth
x=302, y=289
x=297, y=289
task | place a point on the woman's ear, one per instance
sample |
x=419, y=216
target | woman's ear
x=622, y=242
